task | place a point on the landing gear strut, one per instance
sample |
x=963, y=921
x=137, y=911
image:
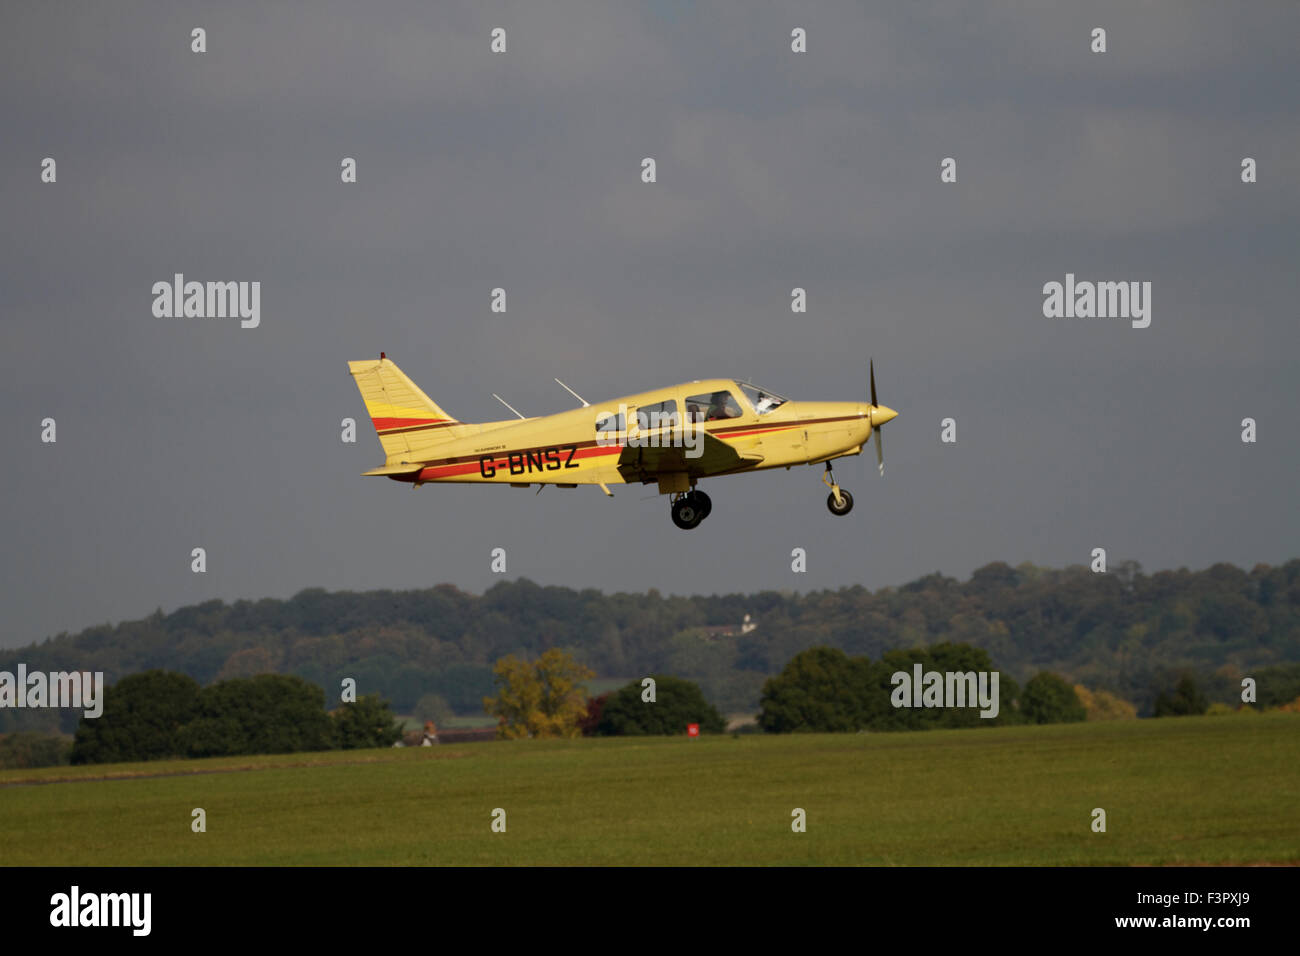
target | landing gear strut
x=839, y=501
x=690, y=509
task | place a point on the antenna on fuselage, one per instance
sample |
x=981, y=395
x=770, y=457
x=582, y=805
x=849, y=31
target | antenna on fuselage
x=585, y=403
x=506, y=404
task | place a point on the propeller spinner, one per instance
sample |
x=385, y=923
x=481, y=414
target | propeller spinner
x=880, y=414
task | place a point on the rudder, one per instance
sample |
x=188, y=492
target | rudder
x=406, y=420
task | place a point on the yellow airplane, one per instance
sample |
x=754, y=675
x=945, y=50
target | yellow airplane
x=672, y=437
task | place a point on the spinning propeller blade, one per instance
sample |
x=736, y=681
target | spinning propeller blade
x=879, y=415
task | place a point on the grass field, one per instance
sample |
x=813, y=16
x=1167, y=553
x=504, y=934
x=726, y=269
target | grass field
x=1189, y=790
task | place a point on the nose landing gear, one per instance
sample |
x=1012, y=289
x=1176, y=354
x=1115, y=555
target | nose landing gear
x=839, y=501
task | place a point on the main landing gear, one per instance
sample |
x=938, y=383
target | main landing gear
x=839, y=501
x=690, y=509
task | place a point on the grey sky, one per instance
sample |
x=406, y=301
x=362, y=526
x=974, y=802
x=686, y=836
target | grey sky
x=521, y=170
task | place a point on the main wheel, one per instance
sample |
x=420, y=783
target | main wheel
x=703, y=502
x=842, y=509
x=687, y=513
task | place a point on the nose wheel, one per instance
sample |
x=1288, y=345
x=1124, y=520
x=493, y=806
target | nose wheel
x=839, y=501
x=690, y=509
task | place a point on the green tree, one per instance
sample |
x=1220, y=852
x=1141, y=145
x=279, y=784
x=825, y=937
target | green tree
x=1186, y=699
x=142, y=719
x=677, y=703
x=1276, y=685
x=1049, y=699
x=366, y=722
x=248, y=662
x=946, y=658
x=820, y=690
x=541, y=698
x=24, y=750
x=266, y=714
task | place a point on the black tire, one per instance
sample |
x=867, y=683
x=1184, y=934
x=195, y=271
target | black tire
x=841, y=511
x=703, y=502
x=686, y=513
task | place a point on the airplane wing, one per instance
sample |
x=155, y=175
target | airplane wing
x=645, y=464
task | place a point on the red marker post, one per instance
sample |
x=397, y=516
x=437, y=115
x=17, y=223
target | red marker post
x=692, y=730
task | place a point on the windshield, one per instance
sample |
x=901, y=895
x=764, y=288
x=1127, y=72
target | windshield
x=762, y=400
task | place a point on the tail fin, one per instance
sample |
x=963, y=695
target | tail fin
x=407, y=421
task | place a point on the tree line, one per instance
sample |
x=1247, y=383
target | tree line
x=1133, y=634
x=547, y=698
x=160, y=714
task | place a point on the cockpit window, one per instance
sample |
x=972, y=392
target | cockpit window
x=762, y=400
x=662, y=415
x=712, y=407
x=608, y=423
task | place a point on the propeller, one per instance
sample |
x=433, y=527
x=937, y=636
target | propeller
x=879, y=415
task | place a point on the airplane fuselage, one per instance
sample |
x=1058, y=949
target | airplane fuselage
x=568, y=448
x=672, y=437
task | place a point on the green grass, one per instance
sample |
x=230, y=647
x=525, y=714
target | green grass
x=1221, y=790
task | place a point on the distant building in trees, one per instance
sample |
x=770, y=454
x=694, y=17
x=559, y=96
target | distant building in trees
x=715, y=631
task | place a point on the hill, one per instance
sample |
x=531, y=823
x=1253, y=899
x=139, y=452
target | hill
x=1124, y=631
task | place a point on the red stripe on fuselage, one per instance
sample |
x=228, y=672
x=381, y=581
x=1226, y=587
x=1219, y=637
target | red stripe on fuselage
x=502, y=464
x=384, y=424
x=758, y=431
x=733, y=430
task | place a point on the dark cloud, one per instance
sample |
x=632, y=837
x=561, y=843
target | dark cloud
x=775, y=170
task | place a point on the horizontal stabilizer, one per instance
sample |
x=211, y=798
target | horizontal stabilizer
x=405, y=468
